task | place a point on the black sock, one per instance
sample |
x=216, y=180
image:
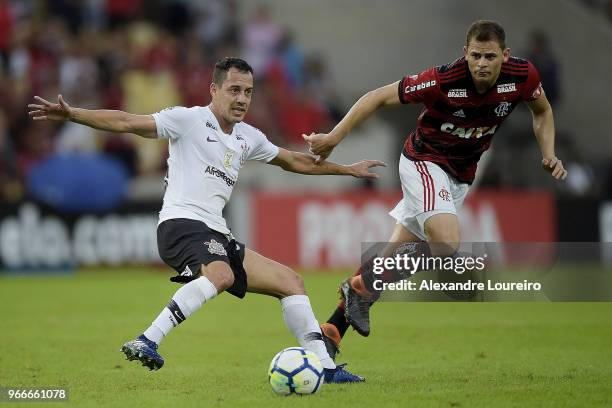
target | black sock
x=337, y=319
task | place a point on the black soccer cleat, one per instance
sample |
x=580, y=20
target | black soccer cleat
x=356, y=308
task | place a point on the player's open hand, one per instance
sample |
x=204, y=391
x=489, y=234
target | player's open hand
x=361, y=169
x=45, y=110
x=555, y=167
x=320, y=145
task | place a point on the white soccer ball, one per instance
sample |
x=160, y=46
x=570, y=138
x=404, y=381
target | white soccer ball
x=295, y=371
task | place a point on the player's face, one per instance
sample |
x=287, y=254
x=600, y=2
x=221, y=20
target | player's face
x=233, y=98
x=485, y=59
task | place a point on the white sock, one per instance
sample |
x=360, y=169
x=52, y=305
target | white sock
x=189, y=298
x=301, y=321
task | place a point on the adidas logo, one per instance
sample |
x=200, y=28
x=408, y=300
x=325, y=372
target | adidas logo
x=459, y=114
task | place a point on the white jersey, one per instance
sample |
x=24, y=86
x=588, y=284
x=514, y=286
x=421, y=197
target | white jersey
x=204, y=162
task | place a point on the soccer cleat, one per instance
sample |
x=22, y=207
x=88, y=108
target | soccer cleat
x=339, y=375
x=331, y=338
x=356, y=308
x=143, y=350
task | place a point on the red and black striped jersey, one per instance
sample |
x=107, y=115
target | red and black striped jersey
x=457, y=123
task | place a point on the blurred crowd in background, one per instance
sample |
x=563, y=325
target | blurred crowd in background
x=141, y=56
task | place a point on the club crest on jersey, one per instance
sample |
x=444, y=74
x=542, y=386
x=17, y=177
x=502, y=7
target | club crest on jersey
x=215, y=248
x=503, y=109
x=444, y=194
x=505, y=88
x=464, y=133
x=227, y=160
x=245, y=153
x=457, y=93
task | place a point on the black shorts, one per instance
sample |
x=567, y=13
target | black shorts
x=186, y=244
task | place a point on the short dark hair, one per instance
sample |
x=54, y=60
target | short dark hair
x=486, y=30
x=224, y=65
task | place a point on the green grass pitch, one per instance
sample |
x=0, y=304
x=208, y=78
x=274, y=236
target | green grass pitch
x=67, y=330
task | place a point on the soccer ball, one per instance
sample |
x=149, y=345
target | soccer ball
x=295, y=371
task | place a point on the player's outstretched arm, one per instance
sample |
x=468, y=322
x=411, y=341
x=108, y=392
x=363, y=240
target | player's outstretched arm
x=108, y=120
x=322, y=144
x=544, y=129
x=302, y=163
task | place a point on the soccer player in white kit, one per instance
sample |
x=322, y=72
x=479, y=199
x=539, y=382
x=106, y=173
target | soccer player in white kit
x=208, y=146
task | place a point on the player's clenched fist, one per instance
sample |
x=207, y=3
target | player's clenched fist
x=320, y=144
x=555, y=167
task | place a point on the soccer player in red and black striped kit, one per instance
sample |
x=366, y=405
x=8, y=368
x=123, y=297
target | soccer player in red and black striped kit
x=465, y=103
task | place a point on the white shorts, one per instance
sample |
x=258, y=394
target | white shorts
x=428, y=190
